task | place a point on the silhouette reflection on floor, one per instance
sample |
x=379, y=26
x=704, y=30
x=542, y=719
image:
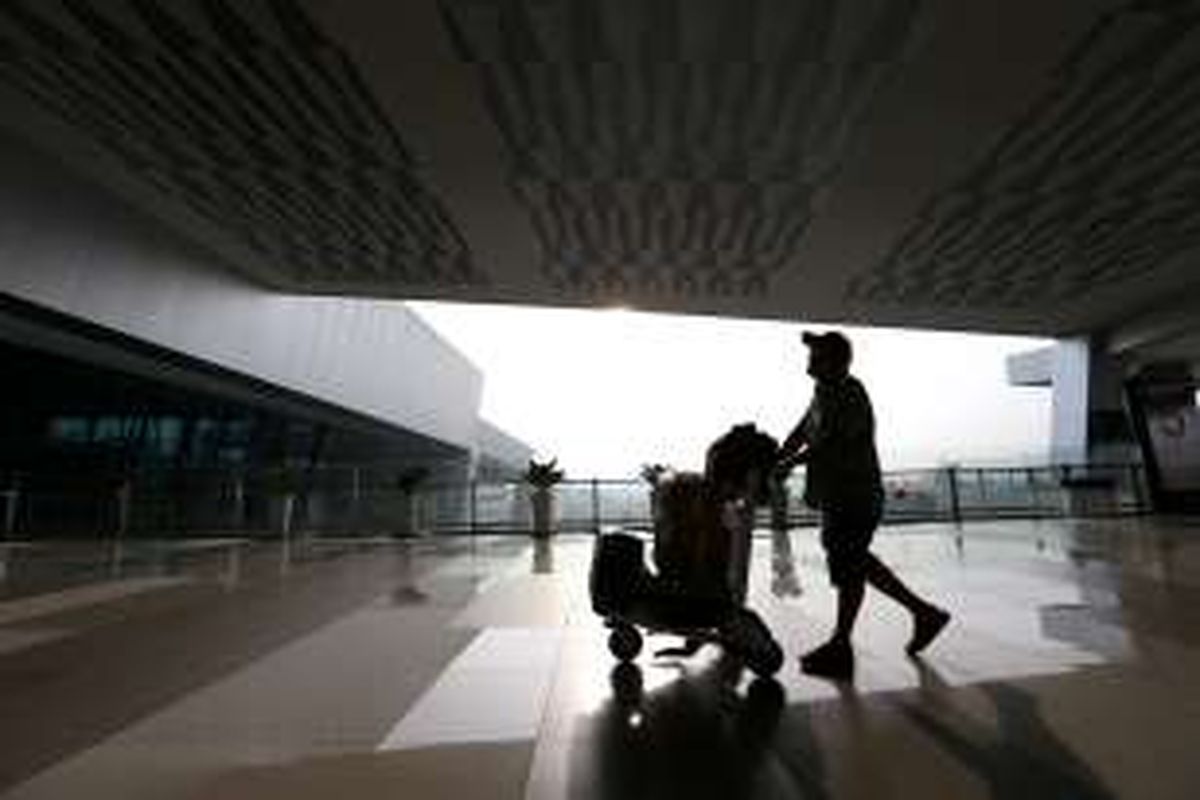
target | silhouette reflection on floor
x=699, y=736
x=1021, y=758
x=696, y=737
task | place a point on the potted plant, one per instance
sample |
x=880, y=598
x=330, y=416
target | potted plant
x=541, y=478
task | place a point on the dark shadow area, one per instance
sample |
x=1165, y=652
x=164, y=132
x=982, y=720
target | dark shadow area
x=697, y=737
x=700, y=737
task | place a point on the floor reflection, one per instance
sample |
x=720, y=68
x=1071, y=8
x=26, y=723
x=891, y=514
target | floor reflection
x=543, y=557
x=799, y=755
x=695, y=737
x=1021, y=758
x=784, y=580
x=1086, y=627
x=1070, y=673
x=405, y=592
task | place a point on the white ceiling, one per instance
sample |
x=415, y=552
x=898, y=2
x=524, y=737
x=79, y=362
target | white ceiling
x=997, y=165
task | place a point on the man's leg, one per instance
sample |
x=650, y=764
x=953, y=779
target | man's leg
x=849, y=601
x=882, y=578
x=928, y=619
x=835, y=658
x=847, y=539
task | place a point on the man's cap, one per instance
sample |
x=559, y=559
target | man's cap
x=830, y=342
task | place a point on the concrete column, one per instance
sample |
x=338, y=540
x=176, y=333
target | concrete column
x=1069, y=402
x=1088, y=419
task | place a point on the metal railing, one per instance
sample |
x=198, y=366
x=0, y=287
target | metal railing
x=361, y=501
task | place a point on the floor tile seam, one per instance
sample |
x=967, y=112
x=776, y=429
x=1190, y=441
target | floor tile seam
x=544, y=731
x=346, y=620
x=116, y=735
x=28, y=638
x=228, y=665
x=95, y=618
x=74, y=598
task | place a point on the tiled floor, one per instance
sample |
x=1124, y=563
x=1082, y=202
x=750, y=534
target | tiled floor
x=465, y=669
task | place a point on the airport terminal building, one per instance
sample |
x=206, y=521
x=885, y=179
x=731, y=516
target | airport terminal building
x=212, y=212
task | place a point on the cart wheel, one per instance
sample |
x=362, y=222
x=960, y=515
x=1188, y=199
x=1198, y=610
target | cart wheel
x=624, y=642
x=766, y=660
x=626, y=682
x=750, y=638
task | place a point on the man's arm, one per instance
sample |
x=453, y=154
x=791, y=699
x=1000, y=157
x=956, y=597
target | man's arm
x=794, y=449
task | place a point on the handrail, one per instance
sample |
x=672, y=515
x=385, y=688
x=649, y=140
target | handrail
x=327, y=501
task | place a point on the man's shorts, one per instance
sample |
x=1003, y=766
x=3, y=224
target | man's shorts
x=846, y=535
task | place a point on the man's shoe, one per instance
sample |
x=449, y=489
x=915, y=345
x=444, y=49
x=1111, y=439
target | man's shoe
x=831, y=660
x=926, y=626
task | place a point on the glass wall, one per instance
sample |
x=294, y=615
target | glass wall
x=86, y=451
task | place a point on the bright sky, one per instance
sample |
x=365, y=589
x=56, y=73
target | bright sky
x=605, y=392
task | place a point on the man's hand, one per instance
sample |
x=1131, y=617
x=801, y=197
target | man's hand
x=786, y=464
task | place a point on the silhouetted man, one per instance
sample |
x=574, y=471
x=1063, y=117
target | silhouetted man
x=836, y=441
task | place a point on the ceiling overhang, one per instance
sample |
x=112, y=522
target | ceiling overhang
x=1012, y=166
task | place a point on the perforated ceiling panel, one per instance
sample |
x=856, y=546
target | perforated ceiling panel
x=252, y=118
x=675, y=148
x=1006, y=165
x=1098, y=183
